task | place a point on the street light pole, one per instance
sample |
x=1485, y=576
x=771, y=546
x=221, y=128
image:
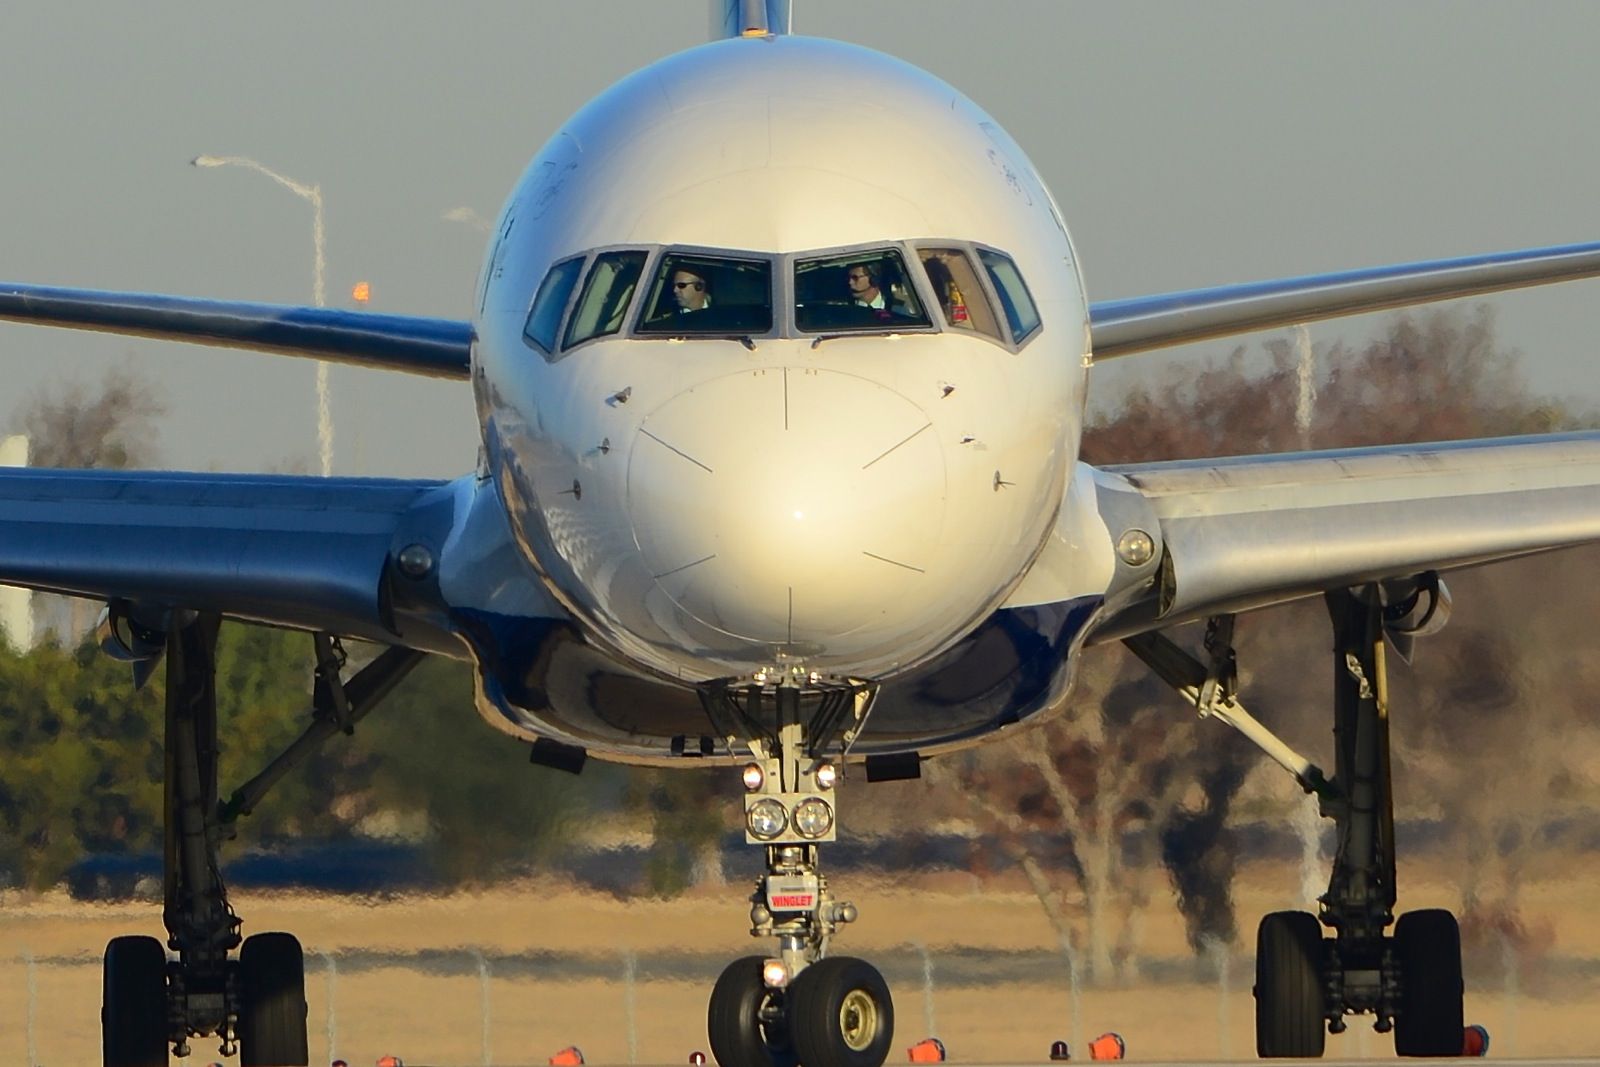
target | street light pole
x=313, y=194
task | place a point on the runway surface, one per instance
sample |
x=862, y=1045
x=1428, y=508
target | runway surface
x=895, y=1059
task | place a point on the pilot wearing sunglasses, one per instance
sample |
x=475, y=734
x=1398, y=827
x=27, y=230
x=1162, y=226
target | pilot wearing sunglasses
x=691, y=291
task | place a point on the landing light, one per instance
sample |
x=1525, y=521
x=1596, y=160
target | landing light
x=766, y=819
x=813, y=818
x=754, y=776
x=827, y=775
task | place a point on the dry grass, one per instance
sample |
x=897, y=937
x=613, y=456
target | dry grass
x=436, y=1015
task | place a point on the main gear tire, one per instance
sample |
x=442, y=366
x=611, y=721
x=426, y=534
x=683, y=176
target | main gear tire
x=1290, y=1006
x=272, y=1010
x=133, y=1006
x=1431, y=1019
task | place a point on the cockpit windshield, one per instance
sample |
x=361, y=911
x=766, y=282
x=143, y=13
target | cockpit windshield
x=698, y=294
x=860, y=290
x=923, y=286
x=606, y=294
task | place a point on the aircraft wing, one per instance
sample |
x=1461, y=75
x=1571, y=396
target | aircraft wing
x=1240, y=533
x=311, y=553
x=437, y=348
x=1140, y=324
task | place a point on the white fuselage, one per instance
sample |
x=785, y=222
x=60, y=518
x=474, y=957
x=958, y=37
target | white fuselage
x=731, y=505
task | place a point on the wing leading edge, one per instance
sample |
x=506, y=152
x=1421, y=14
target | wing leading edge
x=1140, y=324
x=309, y=553
x=1246, y=532
x=436, y=348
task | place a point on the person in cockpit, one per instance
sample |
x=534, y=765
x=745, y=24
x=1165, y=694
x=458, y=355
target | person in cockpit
x=691, y=291
x=867, y=288
x=863, y=278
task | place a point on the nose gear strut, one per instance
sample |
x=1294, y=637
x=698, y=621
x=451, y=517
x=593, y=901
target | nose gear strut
x=799, y=1005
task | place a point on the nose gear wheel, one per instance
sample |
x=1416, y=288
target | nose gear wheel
x=746, y=1021
x=798, y=1004
x=841, y=1014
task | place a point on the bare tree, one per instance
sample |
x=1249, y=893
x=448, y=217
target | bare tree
x=1124, y=778
x=111, y=425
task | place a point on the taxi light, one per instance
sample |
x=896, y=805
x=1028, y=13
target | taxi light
x=774, y=974
x=813, y=818
x=827, y=776
x=754, y=776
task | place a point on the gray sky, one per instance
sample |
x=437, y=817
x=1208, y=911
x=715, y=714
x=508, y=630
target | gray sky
x=1188, y=144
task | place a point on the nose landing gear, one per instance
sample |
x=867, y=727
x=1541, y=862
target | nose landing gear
x=800, y=1005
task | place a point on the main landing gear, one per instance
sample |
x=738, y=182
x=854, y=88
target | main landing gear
x=254, y=1004
x=799, y=1005
x=1306, y=984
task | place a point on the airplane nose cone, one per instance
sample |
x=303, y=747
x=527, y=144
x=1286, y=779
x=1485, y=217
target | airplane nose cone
x=789, y=506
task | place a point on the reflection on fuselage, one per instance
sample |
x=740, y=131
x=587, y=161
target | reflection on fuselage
x=751, y=428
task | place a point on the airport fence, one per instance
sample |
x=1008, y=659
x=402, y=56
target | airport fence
x=479, y=1006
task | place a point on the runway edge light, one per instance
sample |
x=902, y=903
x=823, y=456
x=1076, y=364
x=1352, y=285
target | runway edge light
x=1108, y=1046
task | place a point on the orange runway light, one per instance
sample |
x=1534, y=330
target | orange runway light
x=1108, y=1046
x=928, y=1050
x=571, y=1056
x=361, y=292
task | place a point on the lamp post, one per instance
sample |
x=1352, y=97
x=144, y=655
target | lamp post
x=313, y=194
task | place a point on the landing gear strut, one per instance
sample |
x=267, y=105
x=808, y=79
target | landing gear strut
x=1306, y=984
x=256, y=1004
x=799, y=1005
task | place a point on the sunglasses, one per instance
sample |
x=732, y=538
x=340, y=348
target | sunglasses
x=699, y=286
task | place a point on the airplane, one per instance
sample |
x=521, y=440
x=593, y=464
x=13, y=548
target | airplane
x=780, y=415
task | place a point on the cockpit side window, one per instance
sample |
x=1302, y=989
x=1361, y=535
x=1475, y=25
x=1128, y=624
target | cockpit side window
x=961, y=295
x=545, y=317
x=607, y=292
x=1021, y=314
x=694, y=294
x=856, y=291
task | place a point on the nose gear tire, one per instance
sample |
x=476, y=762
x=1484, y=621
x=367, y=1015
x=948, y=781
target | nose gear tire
x=133, y=1009
x=745, y=1022
x=841, y=1014
x=1290, y=1009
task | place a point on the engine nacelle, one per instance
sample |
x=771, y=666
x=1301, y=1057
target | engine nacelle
x=1418, y=606
x=130, y=634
